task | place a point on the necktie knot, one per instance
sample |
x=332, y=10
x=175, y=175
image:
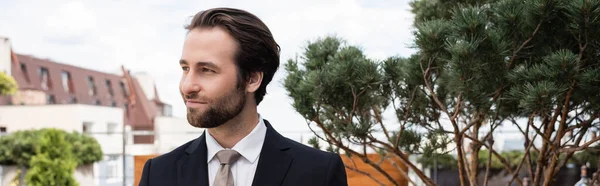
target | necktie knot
x=227, y=156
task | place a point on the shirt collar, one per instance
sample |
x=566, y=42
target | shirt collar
x=249, y=147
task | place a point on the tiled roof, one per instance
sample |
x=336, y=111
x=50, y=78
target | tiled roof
x=27, y=72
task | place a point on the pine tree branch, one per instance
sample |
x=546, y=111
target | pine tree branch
x=364, y=173
x=434, y=96
x=458, y=104
x=514, y=56
x=380, y=121
x=365, y=159
x=527, y=154
x=528, y=143
x=316, y=134
x=402, y=125
x=502, y=160
x=526, y=132
x=560, y=133
x=539, y=132
x=467, y=127
x=461, y=157
x=401, y=171
x=542, y=156
x=581, y=147
x=570, y=154
x=565, y=108
x=466, y=164
x=405, y=160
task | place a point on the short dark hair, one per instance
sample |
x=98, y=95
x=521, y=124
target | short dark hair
x=257, y=52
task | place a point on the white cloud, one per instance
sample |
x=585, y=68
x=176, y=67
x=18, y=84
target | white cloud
x=148, y=36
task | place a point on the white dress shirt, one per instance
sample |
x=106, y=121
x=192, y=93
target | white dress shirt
x=249, y=147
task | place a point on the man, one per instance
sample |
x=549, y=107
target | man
x=229, y=57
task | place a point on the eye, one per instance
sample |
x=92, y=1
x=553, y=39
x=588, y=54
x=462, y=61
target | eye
x=185, y=68
x=207, y=70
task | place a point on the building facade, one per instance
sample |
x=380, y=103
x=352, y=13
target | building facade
x=121, y=110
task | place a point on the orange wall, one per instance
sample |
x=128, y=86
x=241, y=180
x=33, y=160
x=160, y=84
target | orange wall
x=139, y=162
x=354, y=178
x=358, y=179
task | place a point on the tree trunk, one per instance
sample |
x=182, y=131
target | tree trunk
x=475, y=154
x=461, y=161
x=542, y=160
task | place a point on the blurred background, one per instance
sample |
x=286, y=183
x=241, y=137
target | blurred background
x=105, y=75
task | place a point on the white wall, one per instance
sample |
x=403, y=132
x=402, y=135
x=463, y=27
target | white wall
x=69, y=118
x=5, y=48
x=172, y=132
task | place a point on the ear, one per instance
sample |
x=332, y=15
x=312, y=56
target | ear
x=254, y=81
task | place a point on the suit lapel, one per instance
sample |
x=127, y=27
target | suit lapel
x=274, y=161
x=192, y=168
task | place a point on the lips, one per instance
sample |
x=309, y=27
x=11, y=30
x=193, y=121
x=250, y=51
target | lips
x=195, y=103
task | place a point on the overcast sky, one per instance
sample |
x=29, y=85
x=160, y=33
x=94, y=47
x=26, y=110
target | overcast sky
x=147, y=36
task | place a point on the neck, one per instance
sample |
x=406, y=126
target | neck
x=234, y=130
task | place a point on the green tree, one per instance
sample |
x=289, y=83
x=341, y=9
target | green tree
x=86, y=149
x=8, y=85
x=19, y=147
x=482, y=63
x=53, y=164
x=50, y=155
x=337, y=88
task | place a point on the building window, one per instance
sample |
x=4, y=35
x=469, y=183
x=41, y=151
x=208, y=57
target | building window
x=124, y=89
x=50, y=99
x=24, y=71
x=109, y=87
x=44, y=78
x=86, y=127
x=2, y=131
x=112, y=167
x=92, y=86
x=67, y=82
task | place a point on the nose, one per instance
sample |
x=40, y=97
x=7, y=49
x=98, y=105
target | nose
x=189, y=84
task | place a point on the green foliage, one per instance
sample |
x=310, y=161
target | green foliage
x=86, y=149
x=50, y=172
x=314, y=141
x=337, y=86
x=513, y=158
x=588, y=156
x=8, y=85
x=480, y=62
x=443, y=161
x=507, y=59
x=53, y=164
x=18, y=148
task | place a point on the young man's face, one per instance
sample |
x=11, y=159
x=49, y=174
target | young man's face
x=209, y=84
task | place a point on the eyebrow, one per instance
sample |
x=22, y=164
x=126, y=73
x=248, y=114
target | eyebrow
x=200, y=63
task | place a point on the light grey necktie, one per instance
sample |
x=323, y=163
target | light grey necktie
x=224, y=176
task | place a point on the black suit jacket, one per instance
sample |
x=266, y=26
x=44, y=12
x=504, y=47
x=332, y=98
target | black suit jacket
x=282, y=162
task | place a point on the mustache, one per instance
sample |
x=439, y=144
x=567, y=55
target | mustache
x=195, y=97
x=191, y=96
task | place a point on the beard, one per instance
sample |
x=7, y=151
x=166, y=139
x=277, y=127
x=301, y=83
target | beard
x=220, y=110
